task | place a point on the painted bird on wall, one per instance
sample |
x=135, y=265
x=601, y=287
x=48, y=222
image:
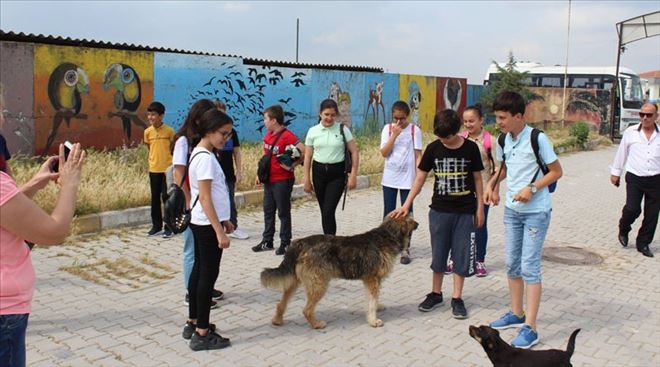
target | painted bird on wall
x=65, y=85
x=127, y=97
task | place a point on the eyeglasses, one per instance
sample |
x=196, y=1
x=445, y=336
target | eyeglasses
x=402, y=119
x=227, y=135
x=646, y=114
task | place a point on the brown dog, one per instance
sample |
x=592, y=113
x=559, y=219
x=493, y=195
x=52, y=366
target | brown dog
x=502, y=354
x=315, y=260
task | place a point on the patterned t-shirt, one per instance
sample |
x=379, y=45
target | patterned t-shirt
x=454, y=190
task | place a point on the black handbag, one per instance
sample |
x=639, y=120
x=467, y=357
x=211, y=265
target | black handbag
x=348, y=164
x=263, y=167
x=176, y=216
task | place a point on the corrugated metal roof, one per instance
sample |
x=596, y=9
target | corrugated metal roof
x=52, y=40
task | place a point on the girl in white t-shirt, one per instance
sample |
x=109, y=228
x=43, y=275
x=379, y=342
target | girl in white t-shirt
x=210, y=224
x=185, y=140
x=401, y=145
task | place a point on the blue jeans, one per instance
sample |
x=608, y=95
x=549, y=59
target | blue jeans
x=12, y=340
x=188, y=258
x=524, y=234
x=389, y=199
x=481, y=236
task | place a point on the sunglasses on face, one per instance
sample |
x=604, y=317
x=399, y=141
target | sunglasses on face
x=645, y=114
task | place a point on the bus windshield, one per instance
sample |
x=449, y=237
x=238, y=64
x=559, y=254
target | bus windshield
x=633, y=96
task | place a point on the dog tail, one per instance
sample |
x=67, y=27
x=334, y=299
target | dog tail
x=571, y=343
x=283, y=276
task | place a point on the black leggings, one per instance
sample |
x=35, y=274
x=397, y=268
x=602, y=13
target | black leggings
x=329, y=181
x=204, y=274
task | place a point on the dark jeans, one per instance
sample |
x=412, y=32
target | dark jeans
x=481, y=237
x=204, y=274
x=329, y=181
x=233, y=214
x=158, y=192
x=12, y=340
x=277, y=197
x=389, y=199
x=637, y=188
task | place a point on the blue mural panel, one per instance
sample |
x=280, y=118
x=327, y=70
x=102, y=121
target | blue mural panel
x=181, y=80
x=346, y=88
x=381, y=91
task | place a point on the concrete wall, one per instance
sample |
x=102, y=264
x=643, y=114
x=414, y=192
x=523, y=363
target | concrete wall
x=16, y=74
x=99, y=96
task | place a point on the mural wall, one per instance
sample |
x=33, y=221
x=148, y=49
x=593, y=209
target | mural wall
x=420, y=93
x=99, y=96
x=588, y=105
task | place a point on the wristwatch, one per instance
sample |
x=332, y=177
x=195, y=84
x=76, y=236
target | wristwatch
x=533, y=188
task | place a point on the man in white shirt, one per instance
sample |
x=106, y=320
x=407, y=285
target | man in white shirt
x=639, y=156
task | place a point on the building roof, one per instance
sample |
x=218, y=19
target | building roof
x=62, y=41
x=650, y=74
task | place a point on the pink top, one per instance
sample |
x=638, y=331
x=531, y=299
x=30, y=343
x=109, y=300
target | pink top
x=16, y=271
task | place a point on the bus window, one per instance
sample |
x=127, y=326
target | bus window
x=581, y=82
x=551, y=81
x=633, y=97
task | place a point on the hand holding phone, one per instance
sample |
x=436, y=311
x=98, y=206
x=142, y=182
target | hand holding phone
x=67, y=150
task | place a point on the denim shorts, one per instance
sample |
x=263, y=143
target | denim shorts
x=524, y=235
x=12, y=339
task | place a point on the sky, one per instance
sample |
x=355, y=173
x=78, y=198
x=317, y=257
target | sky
x=435, y=38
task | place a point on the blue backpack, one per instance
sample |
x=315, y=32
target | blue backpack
x=535, y=147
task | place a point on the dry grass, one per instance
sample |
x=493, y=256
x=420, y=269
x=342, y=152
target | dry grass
x=119, y=179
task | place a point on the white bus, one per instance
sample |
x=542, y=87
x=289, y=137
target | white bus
x=626, y=111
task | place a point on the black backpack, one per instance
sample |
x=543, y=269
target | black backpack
x=535, y=147
x=176, y=216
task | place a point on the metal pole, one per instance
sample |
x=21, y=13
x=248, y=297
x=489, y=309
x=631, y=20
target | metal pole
x=297, y=36
x=615, y=86
x=568, y=36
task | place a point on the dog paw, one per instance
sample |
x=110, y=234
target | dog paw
x=277, y=321
x=319, y=324
x=376, y=323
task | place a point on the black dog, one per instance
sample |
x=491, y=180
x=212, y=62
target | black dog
x=502, y=354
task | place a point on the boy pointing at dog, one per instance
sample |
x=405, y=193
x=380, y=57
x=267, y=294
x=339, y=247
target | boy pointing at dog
x=456, y=210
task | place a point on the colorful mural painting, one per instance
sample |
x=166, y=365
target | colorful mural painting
x=588, y=105
x=420, y=93
x=78, y=93
x=98, y=96
x=246, y=90
x=452, y=94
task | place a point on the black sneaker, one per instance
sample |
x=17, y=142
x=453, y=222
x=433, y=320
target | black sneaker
x=281, y=250
x=458, y=308
x=189, y=329
x=214, y=304
x=432, y=301
x=154, y=232
x=168, y=234
x=210, y=341
x=263, y=246
x=217, y=295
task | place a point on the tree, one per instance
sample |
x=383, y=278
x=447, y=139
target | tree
x=508, y=79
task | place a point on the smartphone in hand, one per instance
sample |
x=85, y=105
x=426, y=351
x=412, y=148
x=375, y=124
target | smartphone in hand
x=67, y=149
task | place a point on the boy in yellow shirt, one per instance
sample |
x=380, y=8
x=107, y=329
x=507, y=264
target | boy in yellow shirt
x=158, y=138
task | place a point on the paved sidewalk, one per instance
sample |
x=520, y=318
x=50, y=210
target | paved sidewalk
x=121, y=301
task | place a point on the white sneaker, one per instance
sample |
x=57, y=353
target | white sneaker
x=238, y=234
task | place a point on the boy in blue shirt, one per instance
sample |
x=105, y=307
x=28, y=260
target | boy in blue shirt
x=526, y=215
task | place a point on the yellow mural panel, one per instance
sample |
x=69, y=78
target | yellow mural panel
x=94, y=96
x=420, y=93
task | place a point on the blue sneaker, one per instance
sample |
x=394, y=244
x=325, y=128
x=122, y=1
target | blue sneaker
x=526, y=338
x=508, y=320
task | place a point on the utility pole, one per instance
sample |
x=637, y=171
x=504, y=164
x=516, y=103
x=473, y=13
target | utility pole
x=568, y=36
x=297, y=37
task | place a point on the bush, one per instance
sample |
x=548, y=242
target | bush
x=580, y=130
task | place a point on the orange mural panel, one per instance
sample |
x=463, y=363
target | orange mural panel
x=97, y=97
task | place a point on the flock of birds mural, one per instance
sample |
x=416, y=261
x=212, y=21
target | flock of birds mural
x=244, y=94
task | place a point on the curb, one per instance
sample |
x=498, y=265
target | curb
x=97, y=222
